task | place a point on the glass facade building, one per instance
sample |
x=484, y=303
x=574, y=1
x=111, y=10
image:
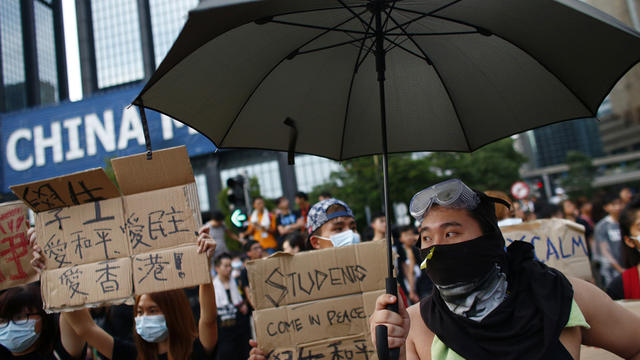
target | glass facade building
x=552, y=142
x=31, y=46
x=116, y=34
x=167, y=19
x=12, y=56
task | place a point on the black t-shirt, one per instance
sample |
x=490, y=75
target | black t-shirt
x=616, y=288
x=124, y=350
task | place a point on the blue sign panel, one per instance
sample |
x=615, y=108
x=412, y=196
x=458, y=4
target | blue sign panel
x=68, y=137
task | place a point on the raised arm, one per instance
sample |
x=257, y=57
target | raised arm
x=83, y=325
x=613, y=327
x=207, y=326
x=73, y=343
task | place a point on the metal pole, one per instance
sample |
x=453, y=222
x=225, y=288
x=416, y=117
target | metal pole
x=382, y=345
x=633, y=13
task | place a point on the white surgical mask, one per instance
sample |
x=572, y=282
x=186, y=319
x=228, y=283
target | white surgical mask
x=18, y=338
x=344, y=238
x=152, y=328
x=636, y=238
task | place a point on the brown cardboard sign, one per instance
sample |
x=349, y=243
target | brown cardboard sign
x=162, y=218
x=358, y=347
x=15, y=252
x=170, y=269
x=95, y=283
x=82, y=234
x=69, y=190
x=558, y=243
x=284, y=279
x=307, y=322
x=167, y=168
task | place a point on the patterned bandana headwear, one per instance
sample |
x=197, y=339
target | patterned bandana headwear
x=318, y=213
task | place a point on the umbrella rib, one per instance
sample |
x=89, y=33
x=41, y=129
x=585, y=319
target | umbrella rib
x=354, y=14
x=487, y=33
x=365, y=55
x=435, y=34
x=444, y=85
x=422, y=15
x=318, y=27
x=334, y=45
x=272, y=69
x=353, y=76
x=407, y=50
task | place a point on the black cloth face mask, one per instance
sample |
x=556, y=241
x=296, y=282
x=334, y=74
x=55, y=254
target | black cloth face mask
x=464, y=262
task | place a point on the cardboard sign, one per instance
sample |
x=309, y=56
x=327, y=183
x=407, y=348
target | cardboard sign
x=170, y=269
x=357, y=347
x=284, y=279
x=102, y=247
x=77, y=285
x=82, y=234
x=69, y=190
x=317, y=304
x=15, y=253
x=162, y=218
x=558, y=243
x=303, y=323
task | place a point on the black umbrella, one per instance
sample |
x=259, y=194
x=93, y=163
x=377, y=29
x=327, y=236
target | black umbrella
x=452, y=75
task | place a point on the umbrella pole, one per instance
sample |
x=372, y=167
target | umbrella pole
x=382, y=345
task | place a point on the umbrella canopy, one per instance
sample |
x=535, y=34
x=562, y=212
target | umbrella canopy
x=459, y=73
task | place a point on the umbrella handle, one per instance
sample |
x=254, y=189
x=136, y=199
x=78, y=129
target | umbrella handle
x=382, y=342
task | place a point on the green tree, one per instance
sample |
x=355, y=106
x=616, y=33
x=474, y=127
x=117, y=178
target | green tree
x=493, y=167
x=579, y=179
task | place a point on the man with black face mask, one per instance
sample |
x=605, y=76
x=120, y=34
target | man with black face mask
x=492, y=303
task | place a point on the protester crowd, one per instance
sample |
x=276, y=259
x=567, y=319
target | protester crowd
x=612, y=230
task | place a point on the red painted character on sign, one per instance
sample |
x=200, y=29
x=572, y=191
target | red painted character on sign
x=10, y=223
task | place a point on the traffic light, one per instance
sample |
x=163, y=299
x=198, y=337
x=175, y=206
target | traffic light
x=236, y=193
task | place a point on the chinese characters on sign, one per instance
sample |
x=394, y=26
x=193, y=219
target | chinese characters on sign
x=15, y=253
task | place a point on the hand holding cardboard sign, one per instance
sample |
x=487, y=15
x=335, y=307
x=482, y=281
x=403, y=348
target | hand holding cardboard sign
x=38, y=256
x=255, y=353
x=206, y=242
x=398, y=324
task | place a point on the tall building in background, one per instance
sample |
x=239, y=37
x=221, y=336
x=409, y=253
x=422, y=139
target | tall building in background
x=617, y=129
x=620, y=115
x=123, y=41
x=32, y=54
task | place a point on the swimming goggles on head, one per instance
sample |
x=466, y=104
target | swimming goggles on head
x=452, y=193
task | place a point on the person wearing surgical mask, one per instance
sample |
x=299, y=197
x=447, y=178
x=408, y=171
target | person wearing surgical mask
x=495, y=303
x=164, y=324
x=27, y=332
x=330, y=223
x=627, y=284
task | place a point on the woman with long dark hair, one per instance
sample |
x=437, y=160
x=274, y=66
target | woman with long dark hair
x=164, y=324
x=627, y=285
x=27, y=332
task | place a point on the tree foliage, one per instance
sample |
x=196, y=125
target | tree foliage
x=579, y=179
x=495, y=166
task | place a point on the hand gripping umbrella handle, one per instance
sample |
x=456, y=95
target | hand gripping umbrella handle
x=382, y=343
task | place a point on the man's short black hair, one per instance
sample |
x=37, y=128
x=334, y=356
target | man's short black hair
x=217, y=215
x=405, y=228
x=219, y=258
x=247, y=245
x=377, y=215
x=610, y=198
x=280, y=199
x=295, y=239
x=326, y=194
x=302, y=195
